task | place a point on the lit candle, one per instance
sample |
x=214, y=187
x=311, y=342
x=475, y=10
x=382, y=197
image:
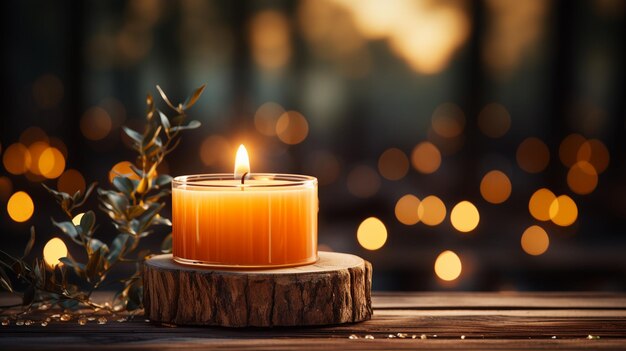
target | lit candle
x=244, y=219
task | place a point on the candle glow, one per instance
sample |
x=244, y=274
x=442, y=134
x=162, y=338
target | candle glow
x=244, y=219
x=242, y=163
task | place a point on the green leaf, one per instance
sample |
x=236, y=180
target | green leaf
x=152, y=138
x=5, y=281
x=166, y=245
x=30, y=243
x=118, y=246
x=194, y=97
x=138, y=172
x=133, y=135
x=124, y=185
x=158, y=220
x=113, y=201
x=135, y=211
x=52, y=191
x=95, y=245
x=39, y=273
x=163, y=180
x=86, y=195
x=63, y=199
x=67, y=228
x=164, y=97
x=164, y=121
x=192, y=125
x=145, y=219
x=160, y=194
x=88, y=222
x=178, y=119
x=79, y=268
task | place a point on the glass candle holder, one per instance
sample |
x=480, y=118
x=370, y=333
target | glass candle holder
x=266, y=220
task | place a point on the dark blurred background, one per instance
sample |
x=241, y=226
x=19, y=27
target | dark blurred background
x=402, y=109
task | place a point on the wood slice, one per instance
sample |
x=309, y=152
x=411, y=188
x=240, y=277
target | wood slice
x=334, y=290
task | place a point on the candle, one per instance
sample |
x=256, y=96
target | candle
x=244, y=219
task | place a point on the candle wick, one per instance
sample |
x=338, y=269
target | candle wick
x=243, y=178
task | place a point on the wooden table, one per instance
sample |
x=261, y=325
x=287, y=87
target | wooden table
x=401, y=321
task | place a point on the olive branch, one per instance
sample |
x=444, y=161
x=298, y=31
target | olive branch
x=133, y=204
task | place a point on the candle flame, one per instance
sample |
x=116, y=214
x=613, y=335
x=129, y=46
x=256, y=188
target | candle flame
x=242, y=163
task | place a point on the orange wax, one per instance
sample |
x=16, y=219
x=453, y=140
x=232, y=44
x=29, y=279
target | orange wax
x=269, y=221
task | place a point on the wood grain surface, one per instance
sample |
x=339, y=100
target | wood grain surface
x=488, y=321
x=334, y=290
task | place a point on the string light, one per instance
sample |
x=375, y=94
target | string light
x=372, y=233
x=406, y=209
x=448, y=266
x=431, y=210
x=20, y=206
x=464, y=216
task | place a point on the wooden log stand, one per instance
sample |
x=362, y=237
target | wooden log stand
x=334, y=290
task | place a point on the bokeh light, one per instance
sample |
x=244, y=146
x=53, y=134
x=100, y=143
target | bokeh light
x=96, y=124
x=513, y=30
x=425, y=36
x=36, y=150
x=495, y=187
x=372, y=234
x=563, y=211
x=448, y=266
x=71, y=181
x=568, y=149
x=582, y=178
x=59, y=145
x=464, y=216
x=115, y=109
x=216, y=150
x=448, y=120
x=431, y=210
x=533, y=155
x=363, y=181
x=33, y=134
x=51, y=163
x=406, y=209
x=266, y=117
x=539, y=204
x=535, y=240
x=292, y=128
x=426, y=158
x=123, y=169
x=332, y=34
x=393, y=164
x=54, y=250
x=16, y=159
x=494, y=120
x=595, y=152
x=6, y=188
x=20, y=207
x=428, y=39
x=270, y=39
